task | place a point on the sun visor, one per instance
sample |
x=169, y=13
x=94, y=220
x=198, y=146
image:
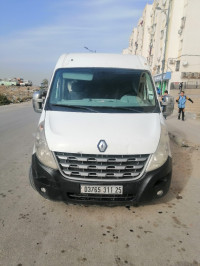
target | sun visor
x=78, y=76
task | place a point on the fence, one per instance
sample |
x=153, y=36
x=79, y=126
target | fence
x=186, y=85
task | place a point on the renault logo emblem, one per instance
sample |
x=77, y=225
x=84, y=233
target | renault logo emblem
x=102, y=145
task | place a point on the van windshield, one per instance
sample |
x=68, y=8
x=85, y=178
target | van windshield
x=103, y=88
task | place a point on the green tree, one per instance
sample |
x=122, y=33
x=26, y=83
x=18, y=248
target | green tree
x=44, y=83
x=4, y=100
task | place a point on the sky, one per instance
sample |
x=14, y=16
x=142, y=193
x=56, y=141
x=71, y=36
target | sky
x=34, y=33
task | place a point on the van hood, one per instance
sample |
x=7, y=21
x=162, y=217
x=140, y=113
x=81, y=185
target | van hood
x=79, y=132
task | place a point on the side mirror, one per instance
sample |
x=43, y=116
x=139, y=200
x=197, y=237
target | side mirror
x=168, y=105
x=38, y=100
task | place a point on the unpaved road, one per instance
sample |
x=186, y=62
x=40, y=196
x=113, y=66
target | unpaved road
x=35, y=231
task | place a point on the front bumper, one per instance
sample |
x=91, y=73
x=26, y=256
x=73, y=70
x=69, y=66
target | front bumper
x=53, y=185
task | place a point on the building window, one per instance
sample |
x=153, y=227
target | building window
x=161, y=34
x=177, y=65
x=183, y=19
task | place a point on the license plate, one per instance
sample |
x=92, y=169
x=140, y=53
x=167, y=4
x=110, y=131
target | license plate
x=108, y=190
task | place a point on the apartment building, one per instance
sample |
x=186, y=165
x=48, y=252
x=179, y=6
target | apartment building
x=140, y=38
x=168, y=35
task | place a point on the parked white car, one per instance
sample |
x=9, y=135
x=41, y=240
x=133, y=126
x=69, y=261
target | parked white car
x=26, y=83
x=101, y=137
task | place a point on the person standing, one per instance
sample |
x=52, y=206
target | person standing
x=158, y=91
x=163, y=100
x=180, y=87
x=181, y=100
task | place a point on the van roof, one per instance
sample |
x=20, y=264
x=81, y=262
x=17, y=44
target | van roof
x=102, y=60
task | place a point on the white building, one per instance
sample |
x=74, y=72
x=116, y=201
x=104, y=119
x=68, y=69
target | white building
x=139, y=39
x=168, y=35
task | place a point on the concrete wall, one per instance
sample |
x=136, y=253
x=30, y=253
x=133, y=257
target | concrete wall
x=191, y=36
x=174, y=39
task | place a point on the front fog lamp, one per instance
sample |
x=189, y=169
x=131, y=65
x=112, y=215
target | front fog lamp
x=162, y=152
x=42, y=150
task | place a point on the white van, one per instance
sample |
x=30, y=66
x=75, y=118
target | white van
x=101, y=137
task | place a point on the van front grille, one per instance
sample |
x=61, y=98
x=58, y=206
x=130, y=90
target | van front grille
x=101, y=167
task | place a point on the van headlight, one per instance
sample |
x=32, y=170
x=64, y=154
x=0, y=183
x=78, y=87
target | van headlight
x=162, y=152
x=43, y=153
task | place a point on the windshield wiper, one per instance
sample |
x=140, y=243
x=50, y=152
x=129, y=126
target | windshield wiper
x=76, y=107
x=122, y=108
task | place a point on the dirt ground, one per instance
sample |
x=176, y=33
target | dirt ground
x=181, y=160
x=17, y=94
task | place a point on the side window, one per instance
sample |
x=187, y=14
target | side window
x=150, y=90
x=145, y=90
x=142, y=90
x=57, y=89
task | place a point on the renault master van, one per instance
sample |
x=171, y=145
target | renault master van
x=101, y=137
